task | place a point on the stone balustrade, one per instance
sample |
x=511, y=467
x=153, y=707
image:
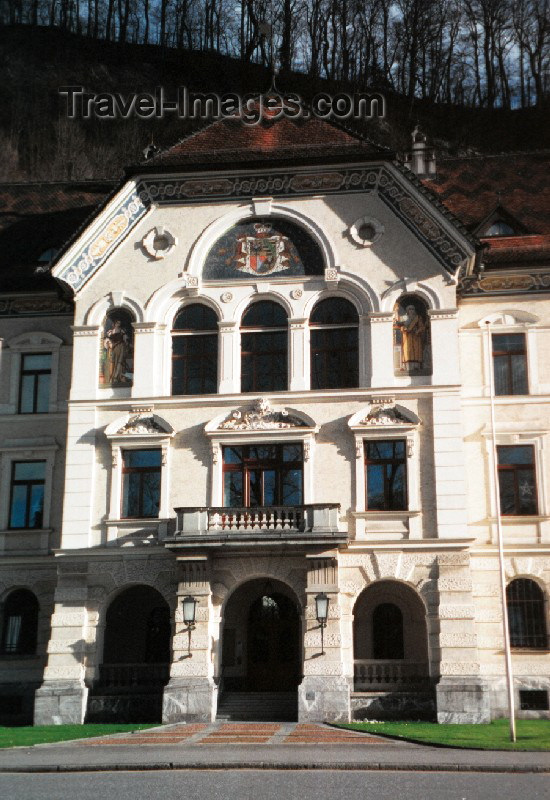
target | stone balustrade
x=375, y=674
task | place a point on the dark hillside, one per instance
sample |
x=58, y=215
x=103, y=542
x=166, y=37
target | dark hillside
x=39, y=142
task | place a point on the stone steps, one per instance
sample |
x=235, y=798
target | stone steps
x=258, y=707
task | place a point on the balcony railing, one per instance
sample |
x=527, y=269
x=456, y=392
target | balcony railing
x=375, y=675
x=131, y=676
x=313, y=518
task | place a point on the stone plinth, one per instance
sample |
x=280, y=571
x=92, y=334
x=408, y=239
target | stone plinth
x=189, y=700
x=323, y=699
x=463, y=701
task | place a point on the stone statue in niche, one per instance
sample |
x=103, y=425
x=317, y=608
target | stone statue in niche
x=117, y=347
x=411, y=337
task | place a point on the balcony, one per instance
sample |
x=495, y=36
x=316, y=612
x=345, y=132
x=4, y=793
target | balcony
x=316, y=523
x=370, y=675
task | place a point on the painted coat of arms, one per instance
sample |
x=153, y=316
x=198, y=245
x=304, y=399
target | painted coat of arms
x=263, y=252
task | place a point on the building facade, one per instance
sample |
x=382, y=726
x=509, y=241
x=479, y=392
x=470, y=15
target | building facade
x=258, y=390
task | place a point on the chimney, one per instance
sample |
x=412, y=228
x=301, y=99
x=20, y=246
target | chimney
x=422, y=158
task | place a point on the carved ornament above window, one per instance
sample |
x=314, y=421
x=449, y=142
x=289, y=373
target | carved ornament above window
x=261, y=417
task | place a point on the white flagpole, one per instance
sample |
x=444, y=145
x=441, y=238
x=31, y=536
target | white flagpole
x=502, y=574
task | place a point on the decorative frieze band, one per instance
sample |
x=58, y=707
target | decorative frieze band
x=394, y=189
x=520, y=283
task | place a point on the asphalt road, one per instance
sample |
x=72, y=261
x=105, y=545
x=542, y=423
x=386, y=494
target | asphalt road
x=274, y=785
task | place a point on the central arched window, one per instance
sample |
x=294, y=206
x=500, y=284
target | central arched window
x=195, y=351
x=334, y=349
x=20, y=623
x=264, y=348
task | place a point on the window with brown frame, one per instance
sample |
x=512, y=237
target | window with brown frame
x=263, y=475
x=28, y=479
x=195, y=351
x=264, y=348
x=141, y=476
x=334, y=344
x=34, y=383
x=386, y=474
x=525, y=605
x=516, y=479
x=510, y=363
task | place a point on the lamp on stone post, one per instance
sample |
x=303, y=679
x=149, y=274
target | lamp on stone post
x=189, y=609
x=321, y=610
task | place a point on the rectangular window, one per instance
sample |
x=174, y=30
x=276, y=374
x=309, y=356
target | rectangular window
x=141, y=483
x=27, y=494
x=516, y=479
x=263, y=475
x=533, y=699
x=34, y=383
x=386, y=471
x=510, y=363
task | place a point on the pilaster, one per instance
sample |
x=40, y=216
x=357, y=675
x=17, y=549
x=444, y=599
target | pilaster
x=63, y=695
x=229, y=378
x=462, y=696
x=299, y=355
x=190, y=693
x=381, y=331
x=324, y=693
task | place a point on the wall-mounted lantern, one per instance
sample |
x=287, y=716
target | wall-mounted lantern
x=321, y=609
x=189, y=610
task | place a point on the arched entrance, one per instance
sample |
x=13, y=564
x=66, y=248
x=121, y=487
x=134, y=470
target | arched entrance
x=390, y=644
x=261, y=655
x=136, y=659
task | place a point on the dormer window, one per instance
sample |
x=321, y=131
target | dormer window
x=499, y=228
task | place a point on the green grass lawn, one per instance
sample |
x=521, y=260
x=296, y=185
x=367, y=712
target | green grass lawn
x=531, y=734
x=40, y=734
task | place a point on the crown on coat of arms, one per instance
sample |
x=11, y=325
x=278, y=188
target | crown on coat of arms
x=262, y=227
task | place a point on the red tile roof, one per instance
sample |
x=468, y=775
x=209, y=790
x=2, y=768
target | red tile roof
x=231, y=140
x=473, y=187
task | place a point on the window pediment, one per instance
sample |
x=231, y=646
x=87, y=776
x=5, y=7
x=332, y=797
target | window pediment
x=260, y=417
x=384, y=415
x=139, y=424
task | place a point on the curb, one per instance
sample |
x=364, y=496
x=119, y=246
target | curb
x=267, y=765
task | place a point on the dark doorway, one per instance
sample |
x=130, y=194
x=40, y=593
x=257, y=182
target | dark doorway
x=136, y=659
x=273, y=644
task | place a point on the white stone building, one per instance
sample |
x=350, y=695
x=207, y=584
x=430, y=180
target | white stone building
x=279, y=382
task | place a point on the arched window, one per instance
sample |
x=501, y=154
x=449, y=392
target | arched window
x=334, y=348
x=264, y=348
x=138, y=629
x=525, y=604
x=20, y=623
x=195, y=351
x=116, y=353
x=387, y=631
x=411, y=337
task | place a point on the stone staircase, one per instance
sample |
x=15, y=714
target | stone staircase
x=258, y=707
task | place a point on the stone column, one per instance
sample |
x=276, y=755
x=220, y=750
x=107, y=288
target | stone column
x=63, y=695
x=365, y=351
x=299, y=366
x=190, y=693
x=462, y=696
x=85, y=377
x=324, y=693
x=229, y=358
x=148, y=360
x=381, y=331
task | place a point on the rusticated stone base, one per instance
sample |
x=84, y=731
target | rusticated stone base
x=60, y=703
x=127, y=708
x=463, y=701
x=394, y=705
x=189, y=700
x=323, y=699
